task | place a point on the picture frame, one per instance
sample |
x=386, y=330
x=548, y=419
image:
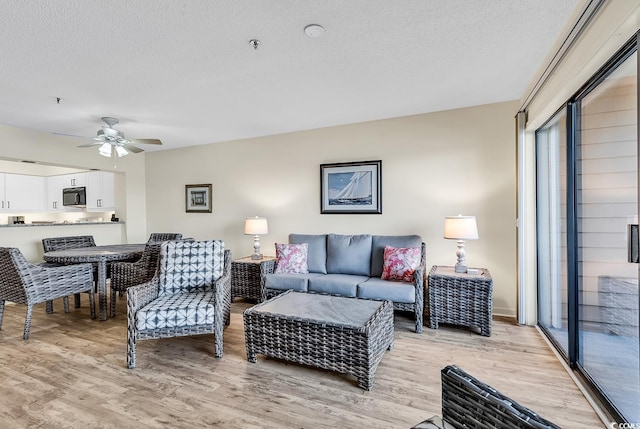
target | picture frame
x=198, y=198
x=351, y=187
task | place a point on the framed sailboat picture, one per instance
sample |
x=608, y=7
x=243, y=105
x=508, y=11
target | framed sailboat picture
x=351, y=187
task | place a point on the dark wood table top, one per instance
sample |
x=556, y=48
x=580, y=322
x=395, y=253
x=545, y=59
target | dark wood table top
x=111, y=252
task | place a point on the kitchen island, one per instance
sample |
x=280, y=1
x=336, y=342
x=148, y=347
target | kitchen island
x=28, y=237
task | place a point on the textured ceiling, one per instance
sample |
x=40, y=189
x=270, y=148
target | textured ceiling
x=183, y=70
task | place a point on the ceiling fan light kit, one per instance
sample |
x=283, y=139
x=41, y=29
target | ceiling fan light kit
x=112, y=140
x=105, y=150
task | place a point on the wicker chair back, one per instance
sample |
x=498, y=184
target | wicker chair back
x=11, y=285
x=468, y=402
x=164, y=236
x=63, y=243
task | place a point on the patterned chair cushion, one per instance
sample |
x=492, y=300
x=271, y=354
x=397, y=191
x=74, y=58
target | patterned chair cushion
x=175, y=311
x=190, y=265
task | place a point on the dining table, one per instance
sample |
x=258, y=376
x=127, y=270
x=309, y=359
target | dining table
x=101, y=256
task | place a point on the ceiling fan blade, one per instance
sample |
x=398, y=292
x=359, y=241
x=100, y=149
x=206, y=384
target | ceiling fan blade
x=71, y=135
x=92, y=144
x=146, y=141
x=132, y=149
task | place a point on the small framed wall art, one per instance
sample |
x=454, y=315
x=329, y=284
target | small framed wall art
x=351, y=187
x=198, y=198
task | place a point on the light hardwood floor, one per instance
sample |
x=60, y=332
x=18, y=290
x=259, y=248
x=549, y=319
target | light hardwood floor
x=72, y=373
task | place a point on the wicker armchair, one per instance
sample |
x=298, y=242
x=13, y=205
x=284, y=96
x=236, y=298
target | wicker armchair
x=164, y=236
x=469, y=403
x=71, y=242
x=30, y=284
x=190, y=294
x=127, y=274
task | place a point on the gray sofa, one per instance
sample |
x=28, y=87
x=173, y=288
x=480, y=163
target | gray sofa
x=351, y=265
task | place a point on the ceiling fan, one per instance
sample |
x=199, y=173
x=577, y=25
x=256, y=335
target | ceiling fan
x=112, y=141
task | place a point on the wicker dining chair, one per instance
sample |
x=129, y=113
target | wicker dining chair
x=164, y=236
x=26, y=283
x=126, y=274
x=72, y=242
x=190, y=294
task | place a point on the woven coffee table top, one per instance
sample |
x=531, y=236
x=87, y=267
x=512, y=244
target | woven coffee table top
x=322, y=309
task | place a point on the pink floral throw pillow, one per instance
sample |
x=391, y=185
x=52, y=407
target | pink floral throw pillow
x=400, y=263
x=291, y=258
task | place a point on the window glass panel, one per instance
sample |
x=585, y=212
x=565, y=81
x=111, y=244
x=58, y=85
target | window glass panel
x=551, y=149
x=607, y=204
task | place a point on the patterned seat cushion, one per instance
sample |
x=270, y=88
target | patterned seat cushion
x=177, y=310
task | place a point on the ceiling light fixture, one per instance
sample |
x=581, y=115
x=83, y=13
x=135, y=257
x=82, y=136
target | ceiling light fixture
x=105, y=150
x=121, y=151
x=254, y=43
x=314, y=30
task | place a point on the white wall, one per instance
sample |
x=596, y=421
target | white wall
x=433, y=165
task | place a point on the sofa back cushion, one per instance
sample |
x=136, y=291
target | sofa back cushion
x=378, y=243
x=349, y=254
x=316, y=250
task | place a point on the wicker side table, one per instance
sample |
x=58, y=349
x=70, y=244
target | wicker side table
x=245, y=277
x=460, y=298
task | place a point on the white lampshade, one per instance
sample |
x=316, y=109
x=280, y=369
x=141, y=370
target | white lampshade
x=105, y=150
x=121, y=151
x=460, y=228
x=256, y=226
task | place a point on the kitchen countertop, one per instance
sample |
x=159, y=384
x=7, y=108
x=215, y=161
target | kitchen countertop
x=23, y=225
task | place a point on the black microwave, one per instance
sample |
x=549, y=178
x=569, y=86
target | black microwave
x=74, y=196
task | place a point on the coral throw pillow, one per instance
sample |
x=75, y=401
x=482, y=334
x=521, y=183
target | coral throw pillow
x=291, y=258
x=400, y=263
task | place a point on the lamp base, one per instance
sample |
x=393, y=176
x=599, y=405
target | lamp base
x=461, y=265
x=256, y=248
x=461, y=268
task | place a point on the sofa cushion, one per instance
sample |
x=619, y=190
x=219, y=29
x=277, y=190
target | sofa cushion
x=317, y=250
x=375, y=288
x=291, y=258
x=400, y=263
x=349, y=254
x=289, y=281
x=175, y=311
x=336, y=284
x=378, y=243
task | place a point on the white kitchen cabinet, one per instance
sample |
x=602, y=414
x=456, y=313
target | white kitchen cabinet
x=54, y=193
x=100, y=191
x=24, y=193
x=3, y=203
x=73, y=180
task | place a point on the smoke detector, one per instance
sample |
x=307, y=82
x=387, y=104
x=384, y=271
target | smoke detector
x=314, y=30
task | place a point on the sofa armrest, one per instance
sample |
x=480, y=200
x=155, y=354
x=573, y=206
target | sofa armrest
x=266, y=267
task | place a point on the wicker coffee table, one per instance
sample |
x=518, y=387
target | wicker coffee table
x=346, y=335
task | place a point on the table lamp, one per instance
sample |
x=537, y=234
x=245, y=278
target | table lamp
x=460, y=228
x=256, y=226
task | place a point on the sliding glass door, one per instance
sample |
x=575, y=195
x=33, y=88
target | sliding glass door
x=607, y=208
x=587, y=218
x=551, y=158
